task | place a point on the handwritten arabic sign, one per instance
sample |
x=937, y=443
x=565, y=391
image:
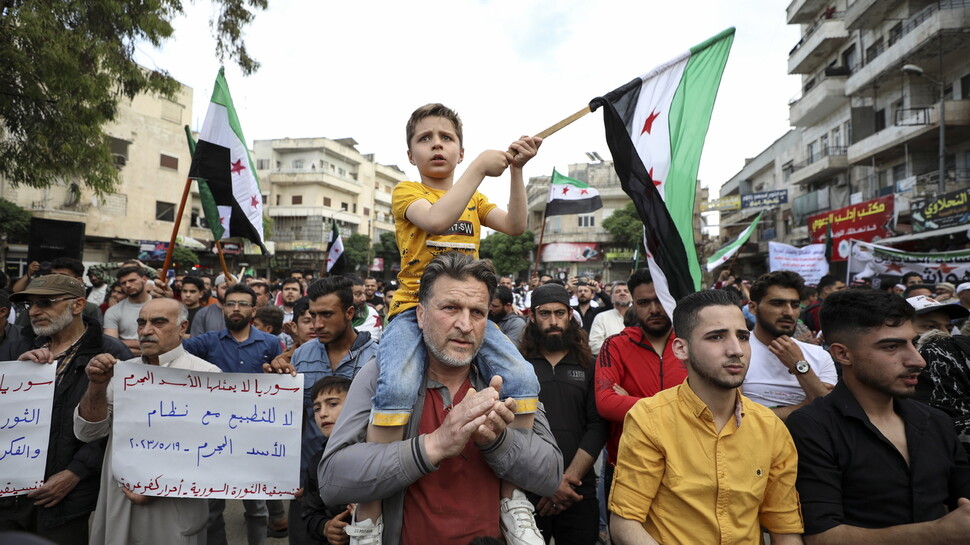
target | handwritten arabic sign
x=26, y=398
x=765, y=199
x=808, y=261
x=206, y=435
x=947, y=210
x=872, y=259
x=866, y=221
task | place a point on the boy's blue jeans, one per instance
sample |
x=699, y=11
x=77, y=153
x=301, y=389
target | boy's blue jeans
x=402, y=359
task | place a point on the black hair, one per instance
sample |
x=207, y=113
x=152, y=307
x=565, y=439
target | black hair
x=73, y=265
x=641, y=276
x=195, y=281
x=339, y=385
x=290, y=280
x=785, y=279
x=271, y=316
x=914, y=287
x=300, y=306
x=912, y=274
x=241, y=288
x=848, y=313
x=339, y=285
x=688, y=308
x=504, y=295
x=125, y=271
x=826, y=281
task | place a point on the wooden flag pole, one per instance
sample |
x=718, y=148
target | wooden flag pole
x=555, y=128
x=542, y=233
x=222, y=261
x=175, y=230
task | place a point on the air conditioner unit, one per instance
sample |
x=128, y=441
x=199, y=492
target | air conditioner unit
x=841, y=180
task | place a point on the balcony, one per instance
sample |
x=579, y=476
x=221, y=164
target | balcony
x=824, y=95
x=381, y=197
x=817, y=45
x=808, y=204
x=802, y=11
x=868, y=13
x=915, y=128
x=289, y=176
x=918, y=42
x=826, y=164
x=300, y=211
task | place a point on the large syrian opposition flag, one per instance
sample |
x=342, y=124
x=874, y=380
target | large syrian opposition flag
x=571, y=196
x=222, y=162
x=655, y=128
x=335, y=250
x=727, y=251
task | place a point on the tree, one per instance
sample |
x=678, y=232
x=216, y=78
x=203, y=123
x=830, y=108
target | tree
x=184, y=257
x=625, y=226
x=386, y=249
x=14, y=223
x=67, y=64
x=355, y=250
x=509, y=255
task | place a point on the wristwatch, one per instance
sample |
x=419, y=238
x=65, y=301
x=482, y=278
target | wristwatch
x=801, y=367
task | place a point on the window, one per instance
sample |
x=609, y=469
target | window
x=387, y=189
x=262, y=164
x=298, y=163
x=355, y=208
x=167, y=161
x=895, y=33
x=812, y=151
x=296, y=199
x=278, y=200
x=847, y=130
x=366, y=211
x=837, y=137
x=326, y=201
x=265, y=199
x=344, y=206
x=824, y=143
x=341, y=171
x=587, y=220
x=164, y=211
x=880, y=119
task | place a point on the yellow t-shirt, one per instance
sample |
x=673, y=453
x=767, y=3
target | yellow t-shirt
x=418, y=247
x=687, y=483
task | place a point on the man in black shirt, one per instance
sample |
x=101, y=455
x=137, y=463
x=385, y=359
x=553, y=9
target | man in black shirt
x=873, y=466
x=558, y=349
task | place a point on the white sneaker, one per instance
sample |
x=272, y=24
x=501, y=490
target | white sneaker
x=366, y=532
x=517, y=516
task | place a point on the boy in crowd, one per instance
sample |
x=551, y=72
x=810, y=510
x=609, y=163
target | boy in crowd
x=325, y=524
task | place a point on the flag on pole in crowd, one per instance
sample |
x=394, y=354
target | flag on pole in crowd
x=233, y=203
x=335, y=250
x=571, y=196
x=655, y=128
x=725, y=253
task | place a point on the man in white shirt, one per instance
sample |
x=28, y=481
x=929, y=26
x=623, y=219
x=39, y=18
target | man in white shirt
x=610, y=322
x=784, y=373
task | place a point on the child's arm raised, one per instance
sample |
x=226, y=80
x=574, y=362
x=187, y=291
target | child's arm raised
x=438, y=217
x=514, y=221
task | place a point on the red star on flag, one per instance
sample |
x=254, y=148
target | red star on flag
x=894, y=267
x=565, y=189
x=237, y=167
x=656, y=182
x=584, y=192
x=648, y=124
x=255, y=202
x=945, y=269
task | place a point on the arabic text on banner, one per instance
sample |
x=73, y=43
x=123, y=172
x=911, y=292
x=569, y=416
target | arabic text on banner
x=206, y=435
x=867, y=221
x=26, y=399
x=808, y=261
x=869, y=260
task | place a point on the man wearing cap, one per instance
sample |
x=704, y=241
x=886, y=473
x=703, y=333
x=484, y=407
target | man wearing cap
x=946, y=293
x=963, y=294
x=556, y=346
x=931, y=315
x=58, y=334
x=120, y=320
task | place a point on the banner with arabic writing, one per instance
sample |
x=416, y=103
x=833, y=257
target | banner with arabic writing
x=869, y=260
x=187, y=434
x=866, y=221
x=949, y=210
x=26, y=398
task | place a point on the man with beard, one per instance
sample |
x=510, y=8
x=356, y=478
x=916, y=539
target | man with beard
x=701, y=463
x=120, y=320
x=556, y=346
x=239, y=348
x=98, y=291
x=610, y=322
x=366, y=317
x=636, y=363
x=585, y=306
x=211, y=317
x=500, y=312
x=370, y=294
x=122, y=516
x=874, y=466
x=59, y=335
x=291, y=290
x=785, y=373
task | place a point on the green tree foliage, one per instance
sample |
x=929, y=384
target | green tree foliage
x=355, y=250
x=386, y=248
x=509, y=255
x=14, y=222
x=625, y=226
x=184, y=257
x=67, y=64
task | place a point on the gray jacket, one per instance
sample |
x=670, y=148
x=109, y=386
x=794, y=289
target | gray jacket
x=352, y=470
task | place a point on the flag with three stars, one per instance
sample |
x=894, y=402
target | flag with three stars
x=571, y=196
x=336, y=262
x=233, y=204
x=655, y=128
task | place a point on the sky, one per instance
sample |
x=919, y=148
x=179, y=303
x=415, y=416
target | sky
x=509, y=67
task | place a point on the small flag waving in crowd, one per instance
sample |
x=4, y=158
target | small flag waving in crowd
x=655, y=128
x=571, y=196
x=221, y=160
x=335, y=250
x=721, y=256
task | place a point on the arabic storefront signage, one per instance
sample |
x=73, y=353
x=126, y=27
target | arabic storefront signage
x=866, y=221
x=947, y=210
x=765, y=199
x=570, y=251
x=724, y=203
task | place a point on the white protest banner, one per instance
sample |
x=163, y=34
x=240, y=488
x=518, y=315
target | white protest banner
x=189, y=434
x=868, y=260
x=26, y=399
x=808, y=261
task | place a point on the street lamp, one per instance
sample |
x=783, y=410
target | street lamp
x=913, y=70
